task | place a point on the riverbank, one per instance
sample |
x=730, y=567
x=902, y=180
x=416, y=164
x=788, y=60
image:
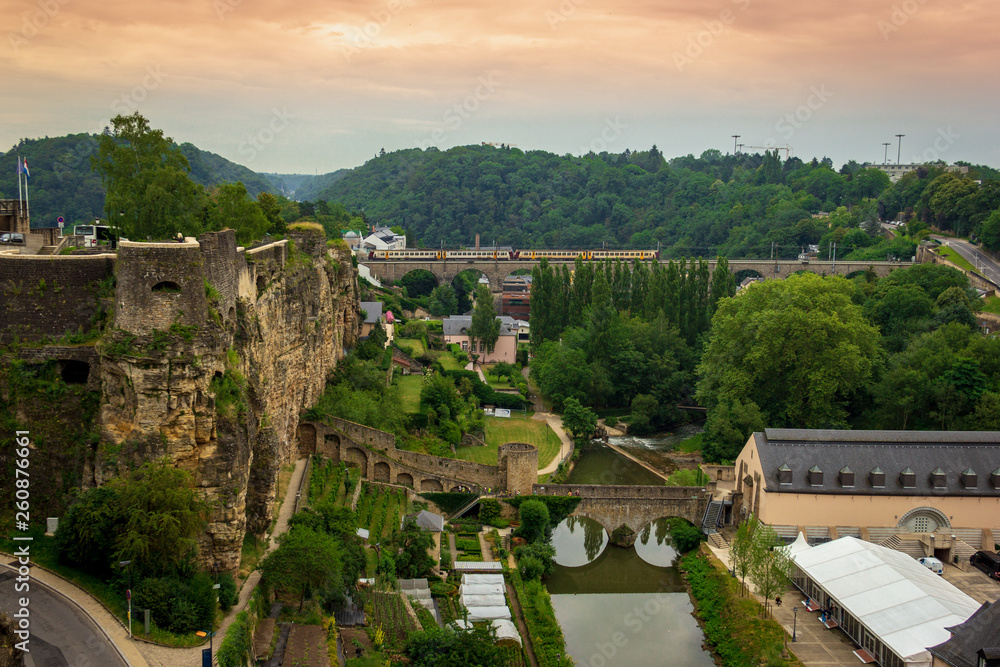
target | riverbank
x=731, y=620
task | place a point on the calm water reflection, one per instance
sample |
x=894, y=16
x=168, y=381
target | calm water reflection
x=578, y=541
x=599, y=464
x=619, y=607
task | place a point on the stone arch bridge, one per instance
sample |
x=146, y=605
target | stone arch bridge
x=632, y=506
x=496, y=270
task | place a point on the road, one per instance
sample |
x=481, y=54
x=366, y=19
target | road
x=61, y=634
x=984, y=264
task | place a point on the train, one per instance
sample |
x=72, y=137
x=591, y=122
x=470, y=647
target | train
x=425, y=254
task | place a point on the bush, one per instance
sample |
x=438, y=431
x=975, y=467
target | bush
x=489, y=510
x=468, y=545
x=228, y=595
x=235, y=647
x=534, y=516
x=611, y=421
x=531, y=568
x=684, y=536
x=181, y=606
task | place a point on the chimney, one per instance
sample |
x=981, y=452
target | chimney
x=477, y=241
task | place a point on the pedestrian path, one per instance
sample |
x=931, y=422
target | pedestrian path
x=565, y=450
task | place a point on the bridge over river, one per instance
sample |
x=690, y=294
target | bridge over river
x=632, y=506
x=496, y=270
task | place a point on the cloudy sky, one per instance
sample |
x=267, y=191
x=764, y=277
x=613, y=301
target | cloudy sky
x=315, y=85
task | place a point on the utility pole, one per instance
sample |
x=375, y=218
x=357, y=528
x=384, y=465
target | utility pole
x=885, y=157
x=735, y=139
x=899, y=148
x=834, y=258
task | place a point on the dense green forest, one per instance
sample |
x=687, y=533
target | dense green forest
x=730, y=205
x=63, y=184
x=899, y=352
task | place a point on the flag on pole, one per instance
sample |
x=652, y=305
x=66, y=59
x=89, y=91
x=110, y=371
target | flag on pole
x=24, y=168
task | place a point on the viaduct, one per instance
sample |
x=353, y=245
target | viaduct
x=496, y=270
x=375, y=454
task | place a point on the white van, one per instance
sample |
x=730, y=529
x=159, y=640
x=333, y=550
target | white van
x=932, y=564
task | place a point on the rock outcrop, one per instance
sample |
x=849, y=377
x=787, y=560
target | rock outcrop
x=216, y=351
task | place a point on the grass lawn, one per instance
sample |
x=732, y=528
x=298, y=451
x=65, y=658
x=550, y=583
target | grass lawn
x=415, y=345
x=450, y=363
x=515, y=429
x=992, y=305
x=952, y=256
x=690, y=445
x=409, y=389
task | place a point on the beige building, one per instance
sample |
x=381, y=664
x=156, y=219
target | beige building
x=456, y=331
x=926, y=493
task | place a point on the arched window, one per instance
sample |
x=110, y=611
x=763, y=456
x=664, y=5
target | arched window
x=923, y=520
x=167, y=286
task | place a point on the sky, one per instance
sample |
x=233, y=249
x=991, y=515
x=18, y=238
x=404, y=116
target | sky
x=313, y=86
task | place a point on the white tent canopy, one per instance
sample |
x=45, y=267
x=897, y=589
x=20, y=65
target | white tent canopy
x=902, y=603
x=800, y=544
x=483, y=596
x=506, y=630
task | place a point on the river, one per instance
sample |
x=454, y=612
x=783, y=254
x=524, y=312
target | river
x=599, y=464
x=622, y=606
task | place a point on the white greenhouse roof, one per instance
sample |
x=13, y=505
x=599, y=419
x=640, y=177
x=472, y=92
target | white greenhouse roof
x=906, y=605
x=483, y=596
x=506, y=630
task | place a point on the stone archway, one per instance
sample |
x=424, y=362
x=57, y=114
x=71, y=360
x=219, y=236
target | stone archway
x=381, y=473
x=357, y=458
x=404, y=479
x=331, y=446
x=923, y=520
x=307, y=440
x=431, y=485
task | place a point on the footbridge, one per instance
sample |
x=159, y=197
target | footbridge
x=632, y=506
x=496, y=270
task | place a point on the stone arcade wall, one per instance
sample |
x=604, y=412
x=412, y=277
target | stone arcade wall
x=374, y=453
x=46, y=295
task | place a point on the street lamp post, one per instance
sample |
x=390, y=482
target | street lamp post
x=795, y=622
x=128, y=593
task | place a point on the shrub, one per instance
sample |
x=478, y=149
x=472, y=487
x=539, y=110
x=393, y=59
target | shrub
x=181, y=606
x=684, y=536
x=228, y=595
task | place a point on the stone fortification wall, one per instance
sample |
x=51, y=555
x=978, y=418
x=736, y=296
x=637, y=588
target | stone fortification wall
x=375, y=453
x=49, y=296
x=160, y=284
x=518, y=466
x=276, y=348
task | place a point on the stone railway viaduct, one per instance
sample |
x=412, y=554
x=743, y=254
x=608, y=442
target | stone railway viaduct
x=496, y=270
x=374, y=452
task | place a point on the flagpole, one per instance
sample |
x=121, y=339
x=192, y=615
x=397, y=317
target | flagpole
x=20, y=199
x=27, y=201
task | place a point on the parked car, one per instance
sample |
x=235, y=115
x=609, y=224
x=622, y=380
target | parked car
x=12, y=238
x=988, y=562
x=932, y=564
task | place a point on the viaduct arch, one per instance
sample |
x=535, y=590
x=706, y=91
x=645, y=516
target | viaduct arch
x=496, y=270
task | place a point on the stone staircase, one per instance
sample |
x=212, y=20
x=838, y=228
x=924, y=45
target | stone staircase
x=718, y=540
x=962, y=549
x=912, y=548
x=463, y=509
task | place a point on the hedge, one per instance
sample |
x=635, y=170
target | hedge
x=484, y=392
x=234, y=651
x=448, y=501
x=546, y=636
x=560, y=507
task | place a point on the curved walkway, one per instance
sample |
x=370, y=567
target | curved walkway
x=143, y=654
x=565, y=451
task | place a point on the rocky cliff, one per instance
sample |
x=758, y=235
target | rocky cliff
x=215, y=353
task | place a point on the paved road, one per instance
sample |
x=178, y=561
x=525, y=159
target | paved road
x=61, y=634
x=985, y=264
